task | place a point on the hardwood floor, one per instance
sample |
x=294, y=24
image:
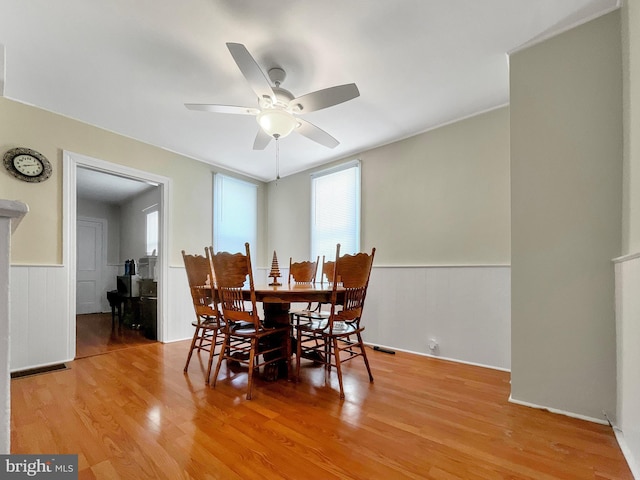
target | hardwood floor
x=133, y=414
x=95, y=335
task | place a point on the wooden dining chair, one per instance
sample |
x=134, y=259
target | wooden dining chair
x=208, y=322
x=328, y=267
x=246, y=339
x=316, y=312
x=332, y=339
x=302, y=273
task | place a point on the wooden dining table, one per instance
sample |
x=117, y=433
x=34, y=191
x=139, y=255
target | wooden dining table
x=276, y=302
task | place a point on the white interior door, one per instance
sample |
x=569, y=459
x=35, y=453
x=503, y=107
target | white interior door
x=88, y=266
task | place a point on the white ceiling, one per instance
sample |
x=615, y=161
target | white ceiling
x=107, y=188
x=129, y=67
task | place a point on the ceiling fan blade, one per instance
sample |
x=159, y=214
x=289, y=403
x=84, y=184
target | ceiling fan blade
x=258, y=81
x=262, y=140
x=205, y=107
x=325, y=98
x=316, y=134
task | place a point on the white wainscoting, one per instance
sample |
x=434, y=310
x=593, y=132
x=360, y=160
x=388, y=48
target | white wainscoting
x=465, y=309
x=41, y=324
x=39, y=319
x=180, y=306
x=627, y=421
x=181, y=313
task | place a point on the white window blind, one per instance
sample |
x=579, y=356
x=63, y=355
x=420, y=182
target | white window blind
x=335, y=211
x=235, y=214
x=152, y=232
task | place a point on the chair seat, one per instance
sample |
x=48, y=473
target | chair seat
x=322, y=327
x=310, y=314
x=248, y=330
x=242, y=330
x=306, y=316
x=209, y=323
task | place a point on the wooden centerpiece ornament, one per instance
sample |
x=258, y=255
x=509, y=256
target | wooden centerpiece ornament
x=275, y=271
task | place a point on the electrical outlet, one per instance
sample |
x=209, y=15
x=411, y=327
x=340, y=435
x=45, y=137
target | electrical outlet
x=433, y=345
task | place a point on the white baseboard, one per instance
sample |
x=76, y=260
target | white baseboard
x=561, y=412
x=447, y=359
x=42, y=365
x=628, y=454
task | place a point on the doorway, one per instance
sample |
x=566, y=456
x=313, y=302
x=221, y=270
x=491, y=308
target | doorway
x=110, y=226
x=94, y=253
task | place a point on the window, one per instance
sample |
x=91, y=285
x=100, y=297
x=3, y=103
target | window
x=335, y=210
x=235, y=214
x=152, y=232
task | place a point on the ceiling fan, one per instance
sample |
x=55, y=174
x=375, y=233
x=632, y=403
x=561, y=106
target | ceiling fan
x=278, y=110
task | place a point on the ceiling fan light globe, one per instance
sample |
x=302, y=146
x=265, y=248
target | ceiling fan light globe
x=277, y=122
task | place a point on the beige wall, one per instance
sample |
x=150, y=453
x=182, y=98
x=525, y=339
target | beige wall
x=439, y=198
x=566, y=174
x=50, y=134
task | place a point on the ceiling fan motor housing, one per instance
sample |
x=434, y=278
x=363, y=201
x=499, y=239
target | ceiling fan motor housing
x=277, y=75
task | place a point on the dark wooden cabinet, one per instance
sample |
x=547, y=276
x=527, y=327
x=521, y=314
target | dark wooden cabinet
x=149, y=317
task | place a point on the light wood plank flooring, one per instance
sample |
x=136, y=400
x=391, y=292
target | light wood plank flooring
x=95, y=335
x=133, y=414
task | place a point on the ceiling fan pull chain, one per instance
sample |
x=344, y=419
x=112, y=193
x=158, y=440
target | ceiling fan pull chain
x=277, y=137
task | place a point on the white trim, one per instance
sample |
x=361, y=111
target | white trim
x=36, y=265
x=561, y=412
x=14, y=210
x=555, y=32
x=336, y=168
x=438, y=357
x=3, y=68
x=71, y=161
x=626, y=452
x=626, y=258
x=460, y=265
x=43, y=365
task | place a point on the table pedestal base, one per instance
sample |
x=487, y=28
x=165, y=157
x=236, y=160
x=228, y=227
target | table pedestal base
x=275, y=315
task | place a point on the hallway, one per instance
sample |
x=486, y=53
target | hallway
x=95, y=335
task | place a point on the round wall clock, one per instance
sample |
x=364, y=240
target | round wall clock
x=28, y=165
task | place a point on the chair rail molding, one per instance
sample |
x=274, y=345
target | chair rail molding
x=11, y=213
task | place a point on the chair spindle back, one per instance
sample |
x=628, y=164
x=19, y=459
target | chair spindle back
x=352, y=272
x=232, y=270
x=201, y=283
